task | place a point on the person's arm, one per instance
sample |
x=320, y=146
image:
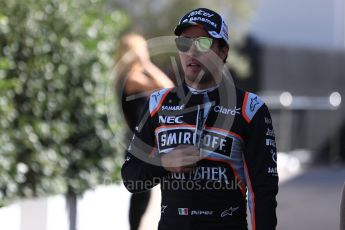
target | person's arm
x=146, y=77
x=261, y=170
x=157, y=76
x=138, y=172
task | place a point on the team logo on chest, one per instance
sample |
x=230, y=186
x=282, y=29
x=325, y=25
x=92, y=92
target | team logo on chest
x=170, y=119
x=227, y=111
x=170, y=137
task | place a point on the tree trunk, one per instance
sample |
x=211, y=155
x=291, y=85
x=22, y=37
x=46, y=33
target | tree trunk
x=71, y=201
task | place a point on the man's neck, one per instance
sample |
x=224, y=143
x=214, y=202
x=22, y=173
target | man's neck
x=204, y=85
x=201, y=91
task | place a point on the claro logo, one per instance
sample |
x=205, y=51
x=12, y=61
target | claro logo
x=170, y=120
x=223, y=110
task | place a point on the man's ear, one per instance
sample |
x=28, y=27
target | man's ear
x=223, y=52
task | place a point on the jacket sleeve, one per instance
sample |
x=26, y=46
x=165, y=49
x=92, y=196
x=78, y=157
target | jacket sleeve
x=260, y=162
x=141, y=170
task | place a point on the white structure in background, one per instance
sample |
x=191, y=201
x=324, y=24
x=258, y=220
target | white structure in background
x=307, y=23
x=104, y=208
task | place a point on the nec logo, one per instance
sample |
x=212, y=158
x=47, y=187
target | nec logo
x=170, y=120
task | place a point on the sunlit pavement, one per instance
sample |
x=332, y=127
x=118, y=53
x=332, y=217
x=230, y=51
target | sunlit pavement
x=311, y=200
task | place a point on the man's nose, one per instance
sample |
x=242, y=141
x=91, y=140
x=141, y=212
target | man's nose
x=193, y=51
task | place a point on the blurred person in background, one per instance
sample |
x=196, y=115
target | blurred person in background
x=210, y=145
x=136, y=77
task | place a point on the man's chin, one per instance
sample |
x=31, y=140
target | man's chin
x=193, y=78
x=196, y=79
x=194, y=75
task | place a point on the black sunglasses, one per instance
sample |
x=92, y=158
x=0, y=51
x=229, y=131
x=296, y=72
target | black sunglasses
x=202, y=44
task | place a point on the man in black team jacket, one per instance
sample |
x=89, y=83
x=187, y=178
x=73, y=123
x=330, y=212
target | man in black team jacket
x=210, y=145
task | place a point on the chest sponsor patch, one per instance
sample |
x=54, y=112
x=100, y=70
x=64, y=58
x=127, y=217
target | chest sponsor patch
x=170, y=119
x=172, y=108
x=217, y=143
x=169, y=138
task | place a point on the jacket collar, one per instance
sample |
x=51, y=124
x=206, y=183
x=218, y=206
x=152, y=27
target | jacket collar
x=225, y=94
x=213, y=94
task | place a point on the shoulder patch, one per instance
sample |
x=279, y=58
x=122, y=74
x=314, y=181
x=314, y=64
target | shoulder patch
x=251, y=104
x=156, y=100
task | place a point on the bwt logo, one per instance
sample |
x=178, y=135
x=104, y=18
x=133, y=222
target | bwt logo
x=170, y=120
x=200, y=12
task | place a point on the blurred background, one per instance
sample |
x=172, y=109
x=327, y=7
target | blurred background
x=60, y=153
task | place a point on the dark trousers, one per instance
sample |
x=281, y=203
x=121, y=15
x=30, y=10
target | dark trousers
x=137, y=207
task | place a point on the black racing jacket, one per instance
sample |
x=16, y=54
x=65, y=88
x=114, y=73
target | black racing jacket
x=240, y=165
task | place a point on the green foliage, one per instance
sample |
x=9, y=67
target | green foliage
x=155, y=18
x=55, y=57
